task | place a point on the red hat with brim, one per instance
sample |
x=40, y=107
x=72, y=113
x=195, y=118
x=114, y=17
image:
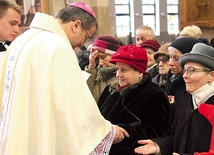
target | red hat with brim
x=132, y=55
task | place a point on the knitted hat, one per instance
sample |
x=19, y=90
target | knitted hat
x=201, y=53
x=151, y=44
x=106, y=44
x=204, y=40
x=163, y=50
x=184, y=44
x=132, y=55
x=84, y=7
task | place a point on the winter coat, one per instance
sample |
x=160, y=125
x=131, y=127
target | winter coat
x=153, y=70
x=191, y=131
x=83, y=58
x=176, y=88
x=160, y=81
x=99, y=79
x=141, y=109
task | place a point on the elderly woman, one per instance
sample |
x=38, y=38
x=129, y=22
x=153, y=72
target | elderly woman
x=175, y=85
x=101, y=70
x=151, y=46
x=162, y=59
x=134, y=102
x=193, y=131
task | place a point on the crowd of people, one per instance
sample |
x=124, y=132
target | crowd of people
x=140, y=98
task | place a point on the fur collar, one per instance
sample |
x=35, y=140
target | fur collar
x=114, y=87
x=106, y=73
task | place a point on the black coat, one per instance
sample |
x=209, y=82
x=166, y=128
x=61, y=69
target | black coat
x=176, y=88
x=191, y=131
x=141, y=109
x=160, y=81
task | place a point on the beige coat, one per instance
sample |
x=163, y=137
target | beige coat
x=96, y=83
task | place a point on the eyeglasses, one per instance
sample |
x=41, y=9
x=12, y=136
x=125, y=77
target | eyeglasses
x=87, y=37
x=191, y=70
x=163, y=60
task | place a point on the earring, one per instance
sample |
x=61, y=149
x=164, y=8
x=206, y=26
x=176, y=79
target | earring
x=140, y=78
x=209, y=82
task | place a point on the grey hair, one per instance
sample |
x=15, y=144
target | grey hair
x=149, y=30
x=70, y=13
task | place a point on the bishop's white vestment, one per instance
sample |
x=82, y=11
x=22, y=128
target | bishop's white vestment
x=47, y=108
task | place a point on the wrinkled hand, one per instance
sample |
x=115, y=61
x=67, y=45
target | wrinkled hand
x=149, y=147
x=120, y=134
x=92, y=58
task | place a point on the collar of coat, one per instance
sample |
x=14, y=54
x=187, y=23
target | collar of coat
x=114, y=87
x=106, y=73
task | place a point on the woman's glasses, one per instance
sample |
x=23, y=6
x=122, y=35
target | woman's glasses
x=163, y=60
x=191, y=70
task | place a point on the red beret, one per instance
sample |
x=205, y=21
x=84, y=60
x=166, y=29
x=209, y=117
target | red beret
x=132, y=55
x=153, y=44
